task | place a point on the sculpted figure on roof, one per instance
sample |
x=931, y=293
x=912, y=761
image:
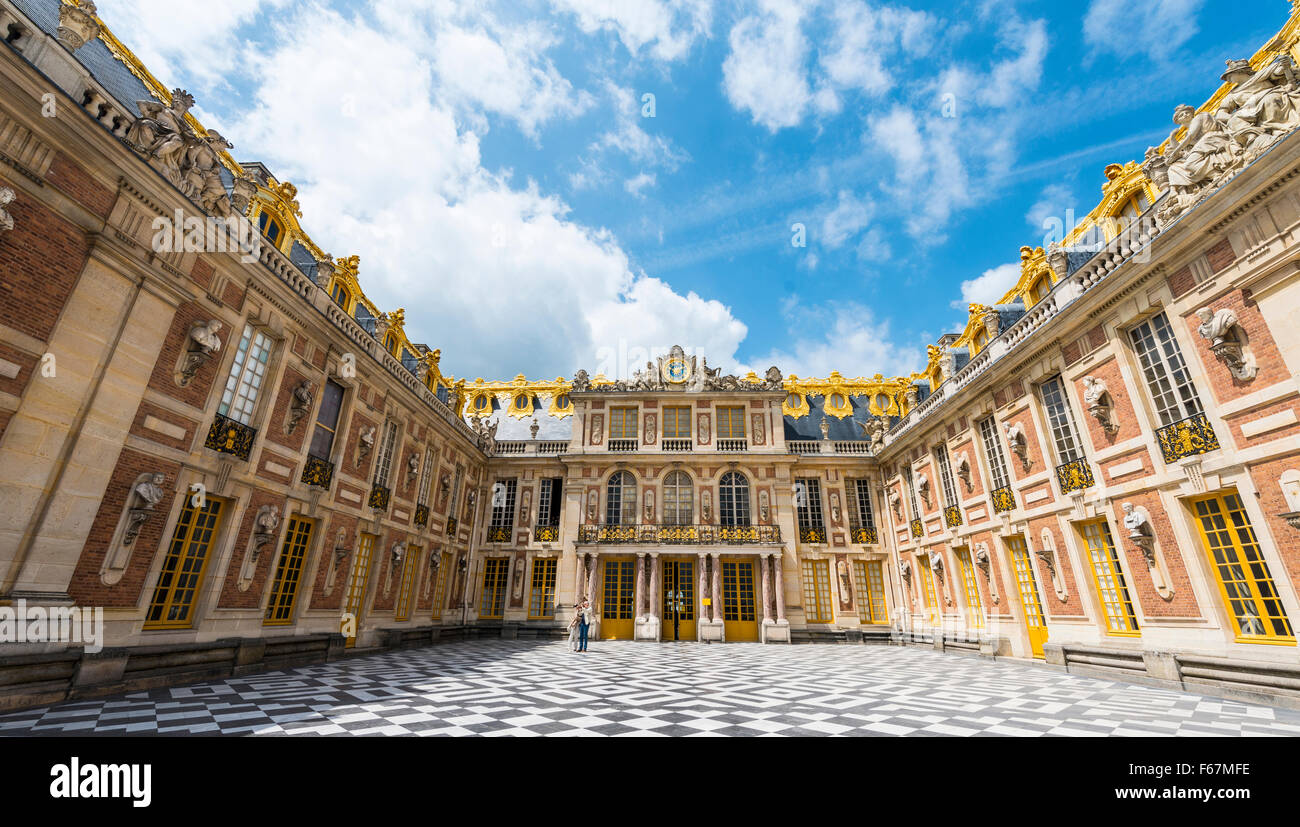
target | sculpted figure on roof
x=1262, y=105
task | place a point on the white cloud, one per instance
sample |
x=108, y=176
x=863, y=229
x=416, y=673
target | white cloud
x=1050, y=208
x=863, y=38
x=1155, y=28
x=843, y=336
x=764, y=72
x=846, y=220
x=495, y=274
x=629, y=138
x=990, y=286
x=669, y=27
x=639, y=182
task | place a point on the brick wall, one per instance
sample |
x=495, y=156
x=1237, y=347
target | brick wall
x=231, y=596
x=148, y=409
x=40, y=260
x=1122, y=412
x=177, y=341
x=72, y=180
x=1271, y=368
x=1284, y=538
x=1141, y=589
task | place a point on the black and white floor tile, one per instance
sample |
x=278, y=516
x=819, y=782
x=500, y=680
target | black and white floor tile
x=522, y=688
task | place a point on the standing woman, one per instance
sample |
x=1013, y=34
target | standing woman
x=573, y=627
x=584, y=624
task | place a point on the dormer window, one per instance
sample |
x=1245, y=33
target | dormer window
x=340, y=295
x=270, y=228
x=1132, y=208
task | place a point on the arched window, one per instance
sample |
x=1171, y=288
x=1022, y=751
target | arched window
x=391, y=345
x=341, y=295
x=733, y=499
x=270, y=228
x=620, y=499
x=678, y=499
x=1130, y=210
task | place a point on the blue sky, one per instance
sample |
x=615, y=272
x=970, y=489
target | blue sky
x=493, y=166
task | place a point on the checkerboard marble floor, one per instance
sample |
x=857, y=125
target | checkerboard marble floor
x=622, y=688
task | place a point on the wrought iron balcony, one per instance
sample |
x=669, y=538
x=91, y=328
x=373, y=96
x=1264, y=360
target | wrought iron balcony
x=952, y=516
x=379, y=496
x=499, y=534
x=422, y=515
x=1187, y=438
x=318, y=472
x=546, y=533
x=1075, y=475
x=230, y=437
x=918, y=529
x=1004, y=499
x=680, y=534
x=451, y=526
x=862, y=534
x=812, y=534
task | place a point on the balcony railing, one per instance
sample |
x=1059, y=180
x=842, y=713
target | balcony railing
x=622, y=445
x=546, y=533
x=505, y=447
x=918, y=530
x=681, y=534
x=859, y=447
x=952, y=516
x=451, y=526
x=552, y=447
x=677, y=445
x=1075, y=475
x=812, y=534
x=1187, y=438
x=379, y=496
x=1004, y=499
x=422, y=515
x=499, y=534
x=230, y=437
x=733, y=445
x=318, y=472
x=803, y=446
x=862, y=534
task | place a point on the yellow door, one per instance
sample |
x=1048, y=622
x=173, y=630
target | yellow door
x=356, y=594
x=739, y=621
x=1027, y=585
x=616, y=619
x=678, y=590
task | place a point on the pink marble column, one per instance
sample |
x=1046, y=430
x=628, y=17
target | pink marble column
x=638, y=588
x=764, y=563
x=655, y=602
x=717, y=588
x=592, y=575
x=579, y=579
x=704, y=586
x=780, y=586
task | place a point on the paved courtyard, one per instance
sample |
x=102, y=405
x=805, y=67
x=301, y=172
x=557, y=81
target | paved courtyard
x=540, y=688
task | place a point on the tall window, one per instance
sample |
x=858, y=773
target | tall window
x=455, y=490
x=870, y=578
x=356, y=594
x=440, y=588
x=945, y=476
x=733, y=499
x=622, y=423
x=340, y=295
x=270, y=228
x=541, y=599
x=327, y=420
x=385, y=464
x=974, y=606
x=288, y=573
x=817, y=591
x=860, y=493
x=1109, y=578
x=808, y=503
x=172, y=606
x=731, y=423
x=911, y=491
x=492, y=603
x=997, y=461
x=247, y=370
x=403, y=609
x=620, y=499
x=548, y=503
x=503, y=505
x=677, y=423
x=426, y=477
x=1060, y=421
x=678, y=500
x=927, y=583
x=1245, y=581
x=1165, y=371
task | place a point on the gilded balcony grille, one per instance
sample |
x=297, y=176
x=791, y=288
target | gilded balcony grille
x=678, y=534
x=230, y=437
x=918, y=530
x=318, y=472
x=862, y=534
x=379, y=496
x=812, y=534
x=952, y=516
x=1003, y=499
x=1187, y=438
x=1075, y=476
x=498, y=534
x=546, y=533
x=422, y=515
x=451, y=526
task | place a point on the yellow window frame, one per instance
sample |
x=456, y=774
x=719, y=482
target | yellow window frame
x=817, y=591
x=974, y=604
x=541, y=597
x=288, y=572
x=622, y=423
x=1026, y=582
x=677, y=422
x=1108, y=578
x=180, y=579
x=1239, y=567
x=403, y=610
x=492, y=601
x=731, y=422
x=871, y=591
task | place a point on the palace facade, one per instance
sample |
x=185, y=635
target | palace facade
x=209, y=431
